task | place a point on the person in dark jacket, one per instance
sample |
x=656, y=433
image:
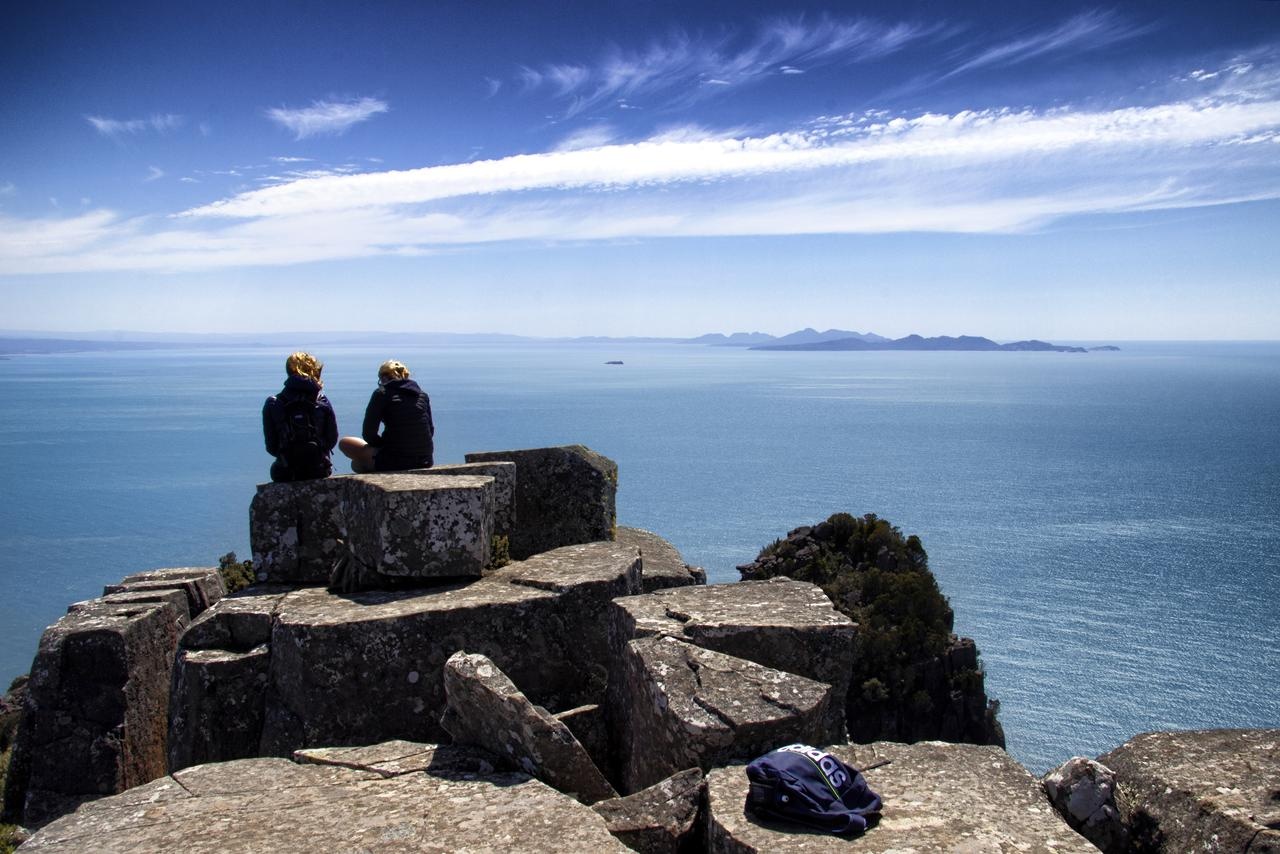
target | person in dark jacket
x=404, y=411
x=298, y=423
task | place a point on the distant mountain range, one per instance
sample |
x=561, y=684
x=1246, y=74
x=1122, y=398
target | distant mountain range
x=804, y=339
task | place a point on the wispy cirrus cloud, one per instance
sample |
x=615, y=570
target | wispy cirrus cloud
x=116, y=128
x=1082, y=32
x=683, y=67
x=983, y=171
x=326, y=117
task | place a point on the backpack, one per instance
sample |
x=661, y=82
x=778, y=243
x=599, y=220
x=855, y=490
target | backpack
x=802, y=784
x=301, y=432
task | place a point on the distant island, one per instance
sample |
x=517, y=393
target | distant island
x=34, y=343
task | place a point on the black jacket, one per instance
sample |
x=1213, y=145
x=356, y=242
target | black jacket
x=273, y=427
x=406, y=441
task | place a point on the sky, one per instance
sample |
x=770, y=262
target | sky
x=1062, y=171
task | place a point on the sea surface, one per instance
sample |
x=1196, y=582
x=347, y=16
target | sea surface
x=1105, y=524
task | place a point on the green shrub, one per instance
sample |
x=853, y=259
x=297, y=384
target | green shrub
x=499, y=552
x=881, y=580
x=236, y=574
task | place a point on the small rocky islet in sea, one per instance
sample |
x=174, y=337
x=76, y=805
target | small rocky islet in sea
x=506, y=668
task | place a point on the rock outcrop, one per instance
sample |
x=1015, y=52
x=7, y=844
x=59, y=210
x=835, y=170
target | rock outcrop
x=912, y=678
x=344, y=670
x=683, y=706
x=401, y=527
x=563, y=496
x=96, y=710
x=486, y=709
x=662, y=819
x=406, y=798
x=937, y=797
x=1084, y=793
x=782, y=624
x=663, y=565
x=1206, y=790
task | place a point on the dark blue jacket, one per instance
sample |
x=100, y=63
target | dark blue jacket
x=406, y=441
x=274, y=429
x=809, y=786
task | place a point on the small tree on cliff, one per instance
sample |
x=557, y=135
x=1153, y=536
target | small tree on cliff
x=881, y=580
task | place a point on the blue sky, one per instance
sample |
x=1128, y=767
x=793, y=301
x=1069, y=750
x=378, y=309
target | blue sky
x=1015, y=169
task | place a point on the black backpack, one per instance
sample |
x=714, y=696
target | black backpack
x=301, y=433
x=803, y=784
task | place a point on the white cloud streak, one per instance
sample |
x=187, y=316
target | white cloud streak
x=161, y=123
x=973, y=172
x=326, y=118
x=1082, y=32
x=683, y=68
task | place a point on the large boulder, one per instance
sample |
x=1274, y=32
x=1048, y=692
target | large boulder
x=486, y=709
x=96, y=709
x=1205, y=790
x=1084, y=794
x=412, y=528
x=564, y=496
x=937, y=797
x=783, y=624
x=296, y=530
x=299, y=530
x=366, y=667
x=662, y=819
x=385, y=803
x=663, y=565
x=682, y=706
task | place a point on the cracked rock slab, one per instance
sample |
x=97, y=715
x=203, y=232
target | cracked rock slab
x=681, y=706
x=279, y=805
x=937, y=797
x=663, y=565
x=1204, y=790
x=486, y=709
x=661, y=819
x=783, y=624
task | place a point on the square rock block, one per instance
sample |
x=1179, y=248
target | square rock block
x=408, y=526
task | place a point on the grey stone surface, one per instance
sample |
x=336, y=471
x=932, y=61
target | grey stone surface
x=662, y=819
x=277, y=805
x=487, y=710
x=96, y=709
x=1203, y=790
x=393, y=758
x=202, y=585
x=663, y=565
x=589, y=727
x=1084, y=794
x=239, y=622
x=504, y=488
x=175, y=599
x=783, y=624
x=368, y=666
x=217, y=705
x=295, y=530
x=412, y=527
x=937, y=797
x=564, y=496
x=681, y=706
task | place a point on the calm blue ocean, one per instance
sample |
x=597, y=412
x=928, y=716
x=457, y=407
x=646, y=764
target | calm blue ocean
x=1105, y=525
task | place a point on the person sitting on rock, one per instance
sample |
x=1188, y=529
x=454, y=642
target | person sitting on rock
x=298, y=423
x=404, y=410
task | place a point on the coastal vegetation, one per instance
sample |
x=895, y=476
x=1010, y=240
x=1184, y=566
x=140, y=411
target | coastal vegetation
x=904, y=674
